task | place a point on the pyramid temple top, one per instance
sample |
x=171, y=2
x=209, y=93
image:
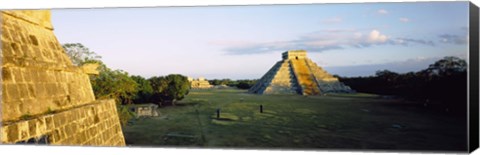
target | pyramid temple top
x=294, y=54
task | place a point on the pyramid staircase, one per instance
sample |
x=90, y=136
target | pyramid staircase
x=278, y=80
x=296, y=74
x=304, y=75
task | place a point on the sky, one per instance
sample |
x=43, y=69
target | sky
x=244, y=42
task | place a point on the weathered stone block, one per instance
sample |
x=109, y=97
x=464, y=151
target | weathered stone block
x=32, y=93
x=23, y=130
x=41, y=125
x=12, y=133
x=3, y=135
x=7, y=75
x=32, y=128
x=12, y=91
x=23, y=90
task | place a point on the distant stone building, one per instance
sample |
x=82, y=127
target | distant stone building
x=144, y=110
x=297, y=74
x=45, y=99
x=199, y=83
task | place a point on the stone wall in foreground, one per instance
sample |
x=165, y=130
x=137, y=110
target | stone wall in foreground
x=37, y=74
x=94, y=124
x=45, y=98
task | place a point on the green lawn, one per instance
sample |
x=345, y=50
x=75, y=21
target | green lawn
x=358, y=121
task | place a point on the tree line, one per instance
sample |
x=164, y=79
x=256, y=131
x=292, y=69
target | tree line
x=443, y=82
x=127, y=89
x=240, y=84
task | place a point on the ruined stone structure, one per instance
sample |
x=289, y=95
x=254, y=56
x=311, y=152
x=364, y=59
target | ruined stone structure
x=145, y=110
x=45, y=98
x=199, y=83
x=297, y=74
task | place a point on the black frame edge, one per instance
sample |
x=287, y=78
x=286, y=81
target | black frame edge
x=473, y=110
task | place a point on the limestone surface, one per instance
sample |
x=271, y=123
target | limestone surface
x=44, y=96
x=145, y=110
x=199, y=83
x=297, y=74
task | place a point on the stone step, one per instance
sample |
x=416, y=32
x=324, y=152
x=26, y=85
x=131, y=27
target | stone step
x=302, y=76
x=305, y=77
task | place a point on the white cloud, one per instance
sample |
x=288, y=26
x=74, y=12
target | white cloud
x=419, y=58
x=407, y=41
x=399, y=41
x=327, y=40
x=454, y=39
x=357, y=35
x=321, y=43
x=382, y=11
x=376, y=37
x=338, y=30
x=403, y=19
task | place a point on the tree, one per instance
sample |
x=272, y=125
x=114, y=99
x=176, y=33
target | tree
x=443, y=82
x=144, y=88
x=245, y=84
x=387, y=75
x=167, y=90
x=222, y=82
x=214, y=82
x=109, y=84
x=115, y=84
x=159, y=85
x=447, y=82
x=447, y=66
x=79, y=54
x=178, y=86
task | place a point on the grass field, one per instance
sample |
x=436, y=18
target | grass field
x=352, y=121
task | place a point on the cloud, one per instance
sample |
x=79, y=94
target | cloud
x=459, y=38
x=382, y=11
x=280, y=46
x=453, y=39
x=325, y=40
x=408, y=41
x=333, y=20
x=376, y=37
x=405, y=20
x=338, y=30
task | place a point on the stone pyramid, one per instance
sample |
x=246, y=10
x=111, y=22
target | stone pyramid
x=297, y=74
x=200, y=83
